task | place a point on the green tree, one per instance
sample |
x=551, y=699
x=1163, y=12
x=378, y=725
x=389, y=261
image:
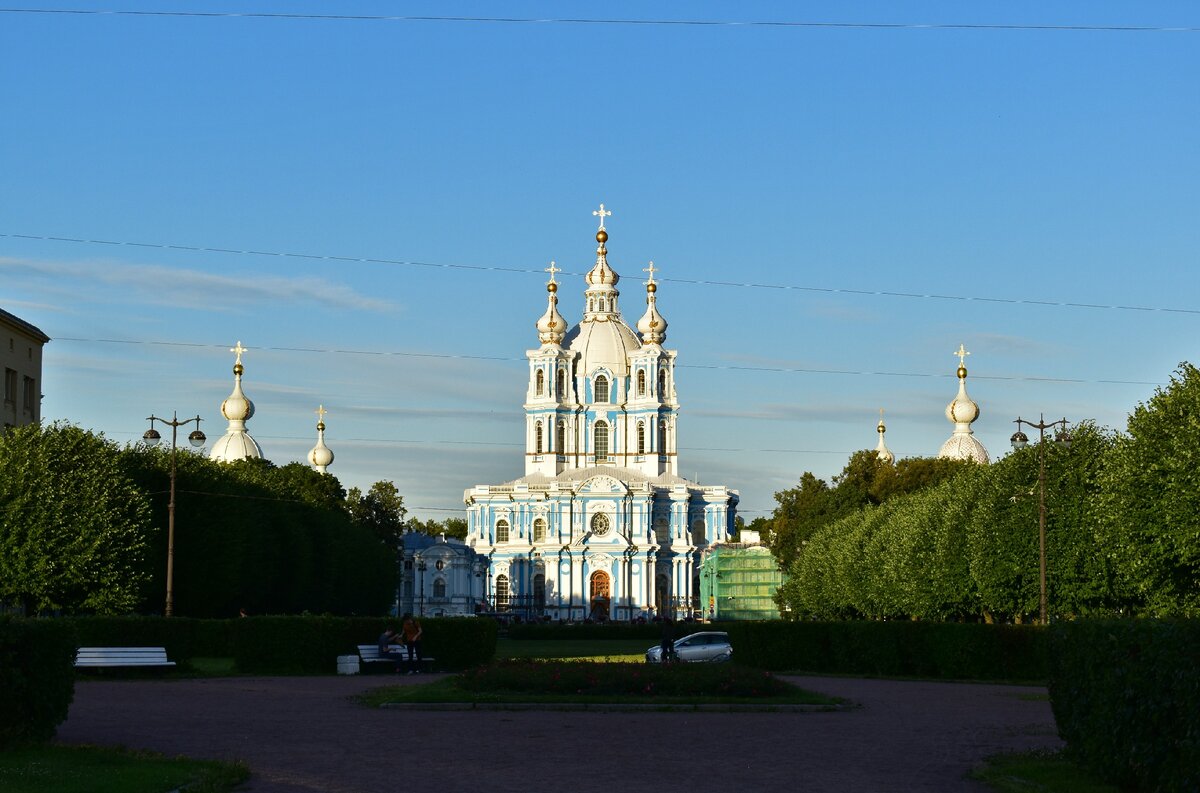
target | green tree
x=453, y=528
x=381, y=509
x=1150, y=510
x=72, y=525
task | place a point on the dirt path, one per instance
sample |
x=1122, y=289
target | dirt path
x=301, y=734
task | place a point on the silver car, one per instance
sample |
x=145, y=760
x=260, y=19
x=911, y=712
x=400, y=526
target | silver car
x=710, y=646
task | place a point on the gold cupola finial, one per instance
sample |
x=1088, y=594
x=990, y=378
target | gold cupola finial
x=551, y=327
x=601, y=294
x=882, y=452
x=320, y=456
x=652, y=325
x=962, y=412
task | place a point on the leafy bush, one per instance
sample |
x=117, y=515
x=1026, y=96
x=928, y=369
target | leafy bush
x=1126, y=695
x=952, y=651
x=275, y=645
x=37, y=678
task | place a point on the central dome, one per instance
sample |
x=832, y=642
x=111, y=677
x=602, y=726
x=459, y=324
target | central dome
x=603, y=344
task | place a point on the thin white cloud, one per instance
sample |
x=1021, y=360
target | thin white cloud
x=189, y=288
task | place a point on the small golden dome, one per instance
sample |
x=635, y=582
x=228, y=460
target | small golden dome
x=238, y=369
x=321, y=426
x=551, y=287
x=601, y=236
x=962, y=372
x=651, y=287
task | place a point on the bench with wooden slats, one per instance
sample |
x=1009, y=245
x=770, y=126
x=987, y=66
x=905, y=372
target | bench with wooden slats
x=96, y=657
x=369, y=653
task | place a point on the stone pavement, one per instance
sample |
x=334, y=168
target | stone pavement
x=304, y=734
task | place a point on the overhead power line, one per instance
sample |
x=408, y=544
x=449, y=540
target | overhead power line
x=709, y=23
x=539, y=272
x=510, y=359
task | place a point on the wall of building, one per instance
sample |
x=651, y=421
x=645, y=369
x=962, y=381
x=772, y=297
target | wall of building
x=21, y=369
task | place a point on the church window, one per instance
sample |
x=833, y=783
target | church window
x=502, y=530
x=539, y=530
x=698, y=532
x=561, y=383
x=641, y=382
x=539, y=591
x=541, y=382
x=561, y=440
x=641, y=437
x=439, y=588
x=662, y=532
x=502, y=593
x=662, y=436
x=537, y=438
x=601, y=438
x=601, y=389
x=662, y=384
x=600, y=524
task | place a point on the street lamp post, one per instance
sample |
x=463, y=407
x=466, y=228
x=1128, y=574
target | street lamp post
x=1019, y=441
x=151, y=438
x=421, y=569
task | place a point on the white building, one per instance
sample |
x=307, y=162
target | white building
x=601, y=525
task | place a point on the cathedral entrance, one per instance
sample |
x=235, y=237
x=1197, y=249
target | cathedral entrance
x=599, y=596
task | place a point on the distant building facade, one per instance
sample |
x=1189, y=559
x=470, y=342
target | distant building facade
x=21, y=358
x=440, y=577
x=738, y=580
x=601, y=526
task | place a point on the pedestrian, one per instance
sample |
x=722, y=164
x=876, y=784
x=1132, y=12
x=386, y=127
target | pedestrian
x=387, y=639
x=411, y=628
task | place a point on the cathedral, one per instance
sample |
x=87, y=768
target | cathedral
x=601, y=525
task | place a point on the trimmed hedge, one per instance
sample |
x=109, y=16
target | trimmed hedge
x=274, y=645
x=552, y=631
x=37, y=678
x=1126, y=695
x=952, y=651
x=183, y=637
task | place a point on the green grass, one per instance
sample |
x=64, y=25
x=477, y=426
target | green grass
x=539, y=682
x=46, y=768
x=1038, y=772
x=629, y=650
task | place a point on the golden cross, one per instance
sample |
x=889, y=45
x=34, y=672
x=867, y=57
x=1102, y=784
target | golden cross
x=320, y=411
x=602, y=213
x=239, y=349
x=962, y=355
x=552, y=270
x=650, y=270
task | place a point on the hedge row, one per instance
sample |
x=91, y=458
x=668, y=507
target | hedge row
x=551, y=631
x=952, y=651
x=37, y=678
x=281, y=645
x=1126, y=696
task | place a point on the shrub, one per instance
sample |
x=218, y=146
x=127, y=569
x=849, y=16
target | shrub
x=953, y=651
x=273, y=645
x=182, y=637
x=1126, y=695
x=37, y=678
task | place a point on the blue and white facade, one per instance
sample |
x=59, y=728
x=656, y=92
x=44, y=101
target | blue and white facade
x=601, y=525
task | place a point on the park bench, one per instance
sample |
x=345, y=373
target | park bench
x=97, y=657
x=369, y=653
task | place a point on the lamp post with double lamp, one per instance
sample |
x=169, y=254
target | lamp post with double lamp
x=151, y=438
x=421, y=571
x=1019, y=441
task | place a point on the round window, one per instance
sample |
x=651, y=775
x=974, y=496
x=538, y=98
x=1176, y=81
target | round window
x=600, y=524
x=440, y=564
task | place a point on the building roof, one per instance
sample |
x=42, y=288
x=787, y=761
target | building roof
x=23, y=326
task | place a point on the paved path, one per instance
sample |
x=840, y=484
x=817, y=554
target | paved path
x=304, y=734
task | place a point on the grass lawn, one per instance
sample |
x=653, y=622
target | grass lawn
x=630, y=650
x=576, y=682
x=1038, y=772
x=89, y=769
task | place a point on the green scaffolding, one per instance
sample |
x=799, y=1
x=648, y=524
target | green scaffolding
x=738, y=582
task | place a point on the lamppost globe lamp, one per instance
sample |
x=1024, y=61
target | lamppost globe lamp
x=151, y=438
x=197, y=438
x=1062, y=439
x=1019, y=440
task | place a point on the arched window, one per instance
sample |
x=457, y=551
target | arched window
x=539, y=530
x=541, y=381
x=662, y=436
x=502, y=530
x=641, y=437
x=539, y=591
x=641, y=382
x=561, y=383
x=601, y=437
x=537, y=438
x=601, y=389
x=561, y=440
x=502, y=592
x=662, y=532
x=439, y=588
x=662, y=384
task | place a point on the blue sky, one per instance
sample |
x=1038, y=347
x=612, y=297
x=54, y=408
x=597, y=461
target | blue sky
x=1006, y=165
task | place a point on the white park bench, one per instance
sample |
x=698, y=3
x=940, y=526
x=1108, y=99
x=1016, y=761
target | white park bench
x=369, y=653
x=96, y=657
